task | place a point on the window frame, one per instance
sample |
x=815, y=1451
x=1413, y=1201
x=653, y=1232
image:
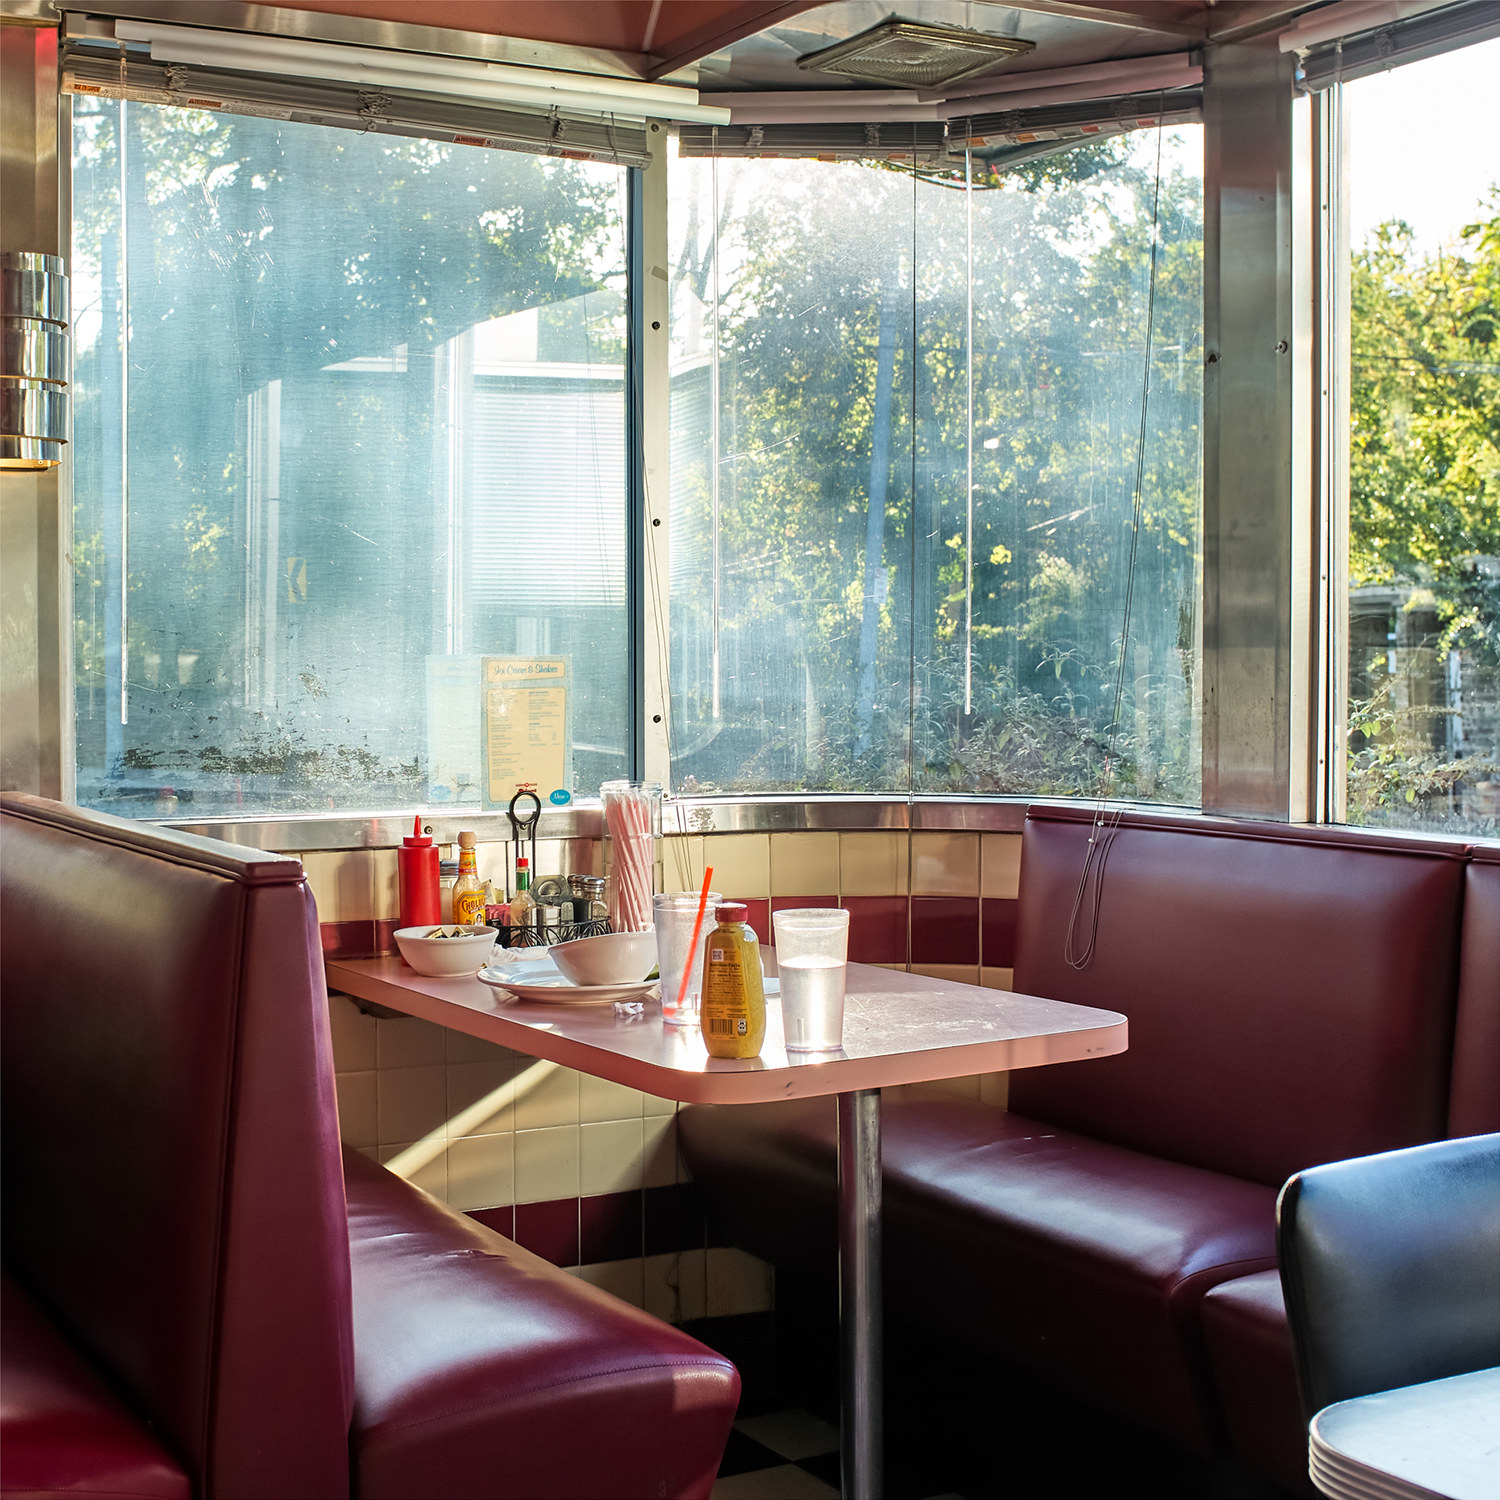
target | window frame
x=1289, y=753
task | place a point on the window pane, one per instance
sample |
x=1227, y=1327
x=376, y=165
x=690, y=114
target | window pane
x=1424, y=473
x=363, y=429
x=844, y=615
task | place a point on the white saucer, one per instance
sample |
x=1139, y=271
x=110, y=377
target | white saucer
x=553, y=989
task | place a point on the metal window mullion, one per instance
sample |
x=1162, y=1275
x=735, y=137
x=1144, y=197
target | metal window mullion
x=647, y=513
x=122, y=160
x=1333, y=334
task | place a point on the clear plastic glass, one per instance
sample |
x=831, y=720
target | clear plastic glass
x=678, y=954
x=632, y=827
x=812, y=950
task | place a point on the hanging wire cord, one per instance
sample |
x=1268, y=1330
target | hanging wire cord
x=1106, y=821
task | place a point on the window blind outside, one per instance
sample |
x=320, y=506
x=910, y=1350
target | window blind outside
x=1407, y=41
x=88, y=69
x=545, y=455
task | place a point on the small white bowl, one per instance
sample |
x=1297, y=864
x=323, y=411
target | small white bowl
x=446, y=957
x=610, y=958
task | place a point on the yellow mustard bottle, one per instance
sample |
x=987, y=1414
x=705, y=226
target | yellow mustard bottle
x=734, y=993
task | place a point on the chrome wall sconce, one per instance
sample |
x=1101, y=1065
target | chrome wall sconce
x=34, y=360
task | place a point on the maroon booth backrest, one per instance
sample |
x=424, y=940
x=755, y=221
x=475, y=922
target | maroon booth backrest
x=1290, y=990
x=173, y=1189
x=1474, y=1107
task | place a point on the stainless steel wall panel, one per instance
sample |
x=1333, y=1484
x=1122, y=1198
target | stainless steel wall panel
x=1247, y=427
x=35, y=746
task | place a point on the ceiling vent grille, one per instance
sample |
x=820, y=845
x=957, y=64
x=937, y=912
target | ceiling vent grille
x=908, y=54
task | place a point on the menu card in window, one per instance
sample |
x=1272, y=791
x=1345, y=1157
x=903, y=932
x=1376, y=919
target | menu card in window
x=526, y=739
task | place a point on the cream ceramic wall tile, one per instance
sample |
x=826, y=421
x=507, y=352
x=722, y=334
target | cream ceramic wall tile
x=387, y=885
x=625, y=1279
x=546, y=1164
x=997, y=979
x=481, y=1171
x=960, y=973
x=609, y=1157
x=480, y=1097
x=599, y=1099
x=873, y=864
x=677, y=1285
x=406, y=1042
x=994, y=1088
x=944, y=864
x=1000, y=865
x=411, y=1102
x=652, y=1104
x=343, y=884
x=742, y=864
x=899, y=968
x=738, y=1283
x=546, y=1095
x=431, y=1177
x=461, y=1047
x=682, y=862
x=353, y=1035
x=358, y=1118
x=659, y=1151
x=804, y=864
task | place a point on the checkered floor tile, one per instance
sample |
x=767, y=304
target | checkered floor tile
x=784, y=1455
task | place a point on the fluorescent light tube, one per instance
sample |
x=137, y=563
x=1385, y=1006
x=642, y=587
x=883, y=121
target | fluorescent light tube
x=459, y=77
x=791, y=114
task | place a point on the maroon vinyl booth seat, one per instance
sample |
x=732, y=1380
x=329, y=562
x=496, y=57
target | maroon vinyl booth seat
x=193, y=1304
x=1293, y=995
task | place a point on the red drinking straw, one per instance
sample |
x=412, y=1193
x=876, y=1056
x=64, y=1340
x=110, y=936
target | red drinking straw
x=687, y=968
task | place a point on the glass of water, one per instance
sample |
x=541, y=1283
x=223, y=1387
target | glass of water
x=812, y=949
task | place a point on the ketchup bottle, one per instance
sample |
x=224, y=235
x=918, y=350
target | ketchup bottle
x=417, y=879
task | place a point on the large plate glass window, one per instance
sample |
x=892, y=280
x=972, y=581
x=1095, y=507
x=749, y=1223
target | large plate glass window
x=1423, y=637
x=350, y=420
x=914, y=416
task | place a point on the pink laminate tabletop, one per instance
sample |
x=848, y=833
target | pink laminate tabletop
x=898, y=1028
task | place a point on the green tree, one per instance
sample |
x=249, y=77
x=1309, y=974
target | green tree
x=823, y=261
x=1425, y=515
x=266, y=262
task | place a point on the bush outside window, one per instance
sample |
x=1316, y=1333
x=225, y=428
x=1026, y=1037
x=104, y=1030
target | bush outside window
x=350, y=418
x=909, y=432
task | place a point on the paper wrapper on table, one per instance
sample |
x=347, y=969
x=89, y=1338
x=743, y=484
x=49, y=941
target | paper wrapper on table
x=632, y=823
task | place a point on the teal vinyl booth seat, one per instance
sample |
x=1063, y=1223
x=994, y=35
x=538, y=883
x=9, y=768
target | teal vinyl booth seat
x=201, y=1296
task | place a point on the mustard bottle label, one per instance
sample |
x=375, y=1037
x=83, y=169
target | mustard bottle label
x=734, y=1007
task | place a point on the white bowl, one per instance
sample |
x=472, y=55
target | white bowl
x=610, y=958
x=446, y=957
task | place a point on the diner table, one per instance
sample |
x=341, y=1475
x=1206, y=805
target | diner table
x=899, y=1028
x=1437, y=1439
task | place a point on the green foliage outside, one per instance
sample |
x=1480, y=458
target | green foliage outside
x=819, y=262
x=893, y=659
x=1424, y=526
x=260, y=256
